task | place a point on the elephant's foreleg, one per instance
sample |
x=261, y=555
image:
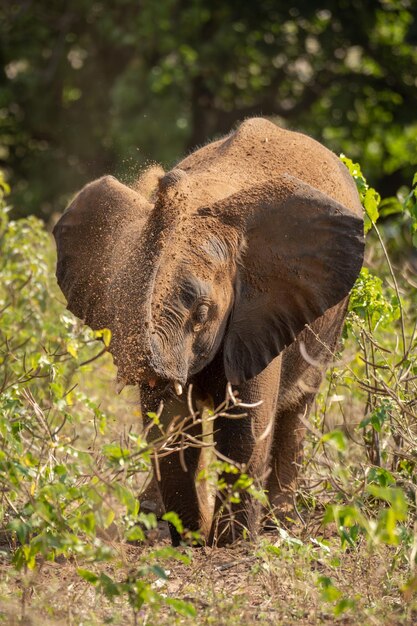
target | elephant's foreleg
x=235, y=509
x=246, y=442
x=176, y=464
x=176, y=477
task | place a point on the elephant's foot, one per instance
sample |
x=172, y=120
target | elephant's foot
x=190, y=520
x=188, y=526
x=194, y=532
x=224, y=531
x=231, y=523
x=151, y=502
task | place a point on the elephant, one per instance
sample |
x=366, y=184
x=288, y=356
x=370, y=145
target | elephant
x=236, y=269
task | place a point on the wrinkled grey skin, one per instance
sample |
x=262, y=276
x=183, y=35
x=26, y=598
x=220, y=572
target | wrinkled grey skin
x=236, y=269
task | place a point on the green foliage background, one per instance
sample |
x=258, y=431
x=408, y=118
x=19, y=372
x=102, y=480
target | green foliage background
x=88, y=88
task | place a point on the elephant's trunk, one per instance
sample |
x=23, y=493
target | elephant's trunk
x=136, y=262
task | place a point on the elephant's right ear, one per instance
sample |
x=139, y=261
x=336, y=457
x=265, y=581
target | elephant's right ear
x=86, y=236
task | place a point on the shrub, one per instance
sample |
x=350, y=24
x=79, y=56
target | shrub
x=60, y=480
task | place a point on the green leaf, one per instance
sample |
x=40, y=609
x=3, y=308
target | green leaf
x=344, y=605
x=128, y=498
x=4, y=186
x=72, y=349
x=173, y=519
x=87, y=575
x=329, y=592
x=337, y=438
x=390, y=206
x=159, y=572
x=378, y=417
x=148, y=520
x=135, y=534
x=107, y=518
x=180, y=606
x=369, y=197
x=372, y=301
x=371, y=203
x=115, y=452
x=394, y=496
x=105, y=335
x=109, y=587
x=88, y=523
x=380, y=476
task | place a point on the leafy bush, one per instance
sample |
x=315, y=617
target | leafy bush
x=363, y=467
x=60, y=491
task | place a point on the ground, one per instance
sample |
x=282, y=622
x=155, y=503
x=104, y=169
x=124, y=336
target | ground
x=280, y=579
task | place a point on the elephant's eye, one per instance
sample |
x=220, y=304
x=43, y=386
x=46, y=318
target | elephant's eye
x=201, y=314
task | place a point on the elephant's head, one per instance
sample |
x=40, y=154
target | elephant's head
x=175, y=281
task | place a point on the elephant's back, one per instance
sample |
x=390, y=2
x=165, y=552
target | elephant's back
x=259, y=151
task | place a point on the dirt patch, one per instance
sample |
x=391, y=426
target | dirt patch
x=271, y=582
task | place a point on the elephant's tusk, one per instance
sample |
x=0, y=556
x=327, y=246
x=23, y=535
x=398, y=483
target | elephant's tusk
x=178, y=388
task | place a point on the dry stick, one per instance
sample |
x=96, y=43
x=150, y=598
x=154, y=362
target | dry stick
x=297, y=512
x=371, y=389
x=303, y=419
x=374, y=365
x=5, y=378
x=12, y=506
x=190, y=402
x=182, y=427
x=182, y=455
x=375, y=436
x=325, y=463
x=389, y=392
x=225, y=566
x=157, y=468
x=22, y=380
x=373, y=342
x=329, y=387
x=93, y=358
x=162, y=444
x=397, y=291
x=349, y=369
x=180, y=430
x=404, y=378
x=349, y=434
x=237, y=402
x=27, y=394
x=230, y=416
x=318, y=433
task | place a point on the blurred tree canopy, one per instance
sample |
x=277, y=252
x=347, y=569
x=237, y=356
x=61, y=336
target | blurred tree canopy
x=90, y=87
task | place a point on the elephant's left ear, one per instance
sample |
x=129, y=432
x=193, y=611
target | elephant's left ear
x=301, y=254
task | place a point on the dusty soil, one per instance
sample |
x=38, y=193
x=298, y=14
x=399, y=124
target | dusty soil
x=272, y=582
